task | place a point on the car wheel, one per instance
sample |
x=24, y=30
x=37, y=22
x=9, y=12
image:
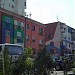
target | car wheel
x=57, y=68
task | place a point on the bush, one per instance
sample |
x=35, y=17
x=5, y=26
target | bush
x=73, y=64
x=74, y=70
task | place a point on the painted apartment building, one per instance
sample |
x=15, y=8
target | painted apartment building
x=34, y=35
x=73, y=38
x=11, y=27
x=16, y=6
x=15, y=28
x=60, y=38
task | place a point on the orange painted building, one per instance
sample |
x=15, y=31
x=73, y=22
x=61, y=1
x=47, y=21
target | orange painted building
x=34, y=34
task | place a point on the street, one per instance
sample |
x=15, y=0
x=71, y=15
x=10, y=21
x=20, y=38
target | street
x=61, y=73
x=58, y=73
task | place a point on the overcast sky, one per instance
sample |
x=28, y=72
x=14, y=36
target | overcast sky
x=46, y=11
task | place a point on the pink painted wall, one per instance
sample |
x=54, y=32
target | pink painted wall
x=35, y=34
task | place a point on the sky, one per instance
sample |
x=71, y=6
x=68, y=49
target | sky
x=48, y=11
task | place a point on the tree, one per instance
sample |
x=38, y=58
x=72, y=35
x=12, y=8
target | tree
x=43, y=62
x=7, y=62
x=67, y=63
x=24, y=64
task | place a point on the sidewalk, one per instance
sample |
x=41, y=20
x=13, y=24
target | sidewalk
x=58, y=73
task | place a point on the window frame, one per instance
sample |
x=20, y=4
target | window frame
x=40, y=31
x=27, y=38
x=27, y=26
x=7, y=33
x=33, y=28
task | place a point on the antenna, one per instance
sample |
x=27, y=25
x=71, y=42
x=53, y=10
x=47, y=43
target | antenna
x=30, y=14
x=57, y=18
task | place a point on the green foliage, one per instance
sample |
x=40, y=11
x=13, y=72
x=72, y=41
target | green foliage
x=73, y=51
x=74, y=64
x=1, y=65
x=28, y=60
x=43, y=62
x=28, y=63
x=28, y=51
x=74, y=70
x=24, y=64
x=6, y=62
x=67, y=64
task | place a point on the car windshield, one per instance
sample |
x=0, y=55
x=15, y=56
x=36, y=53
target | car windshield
x=14, y=49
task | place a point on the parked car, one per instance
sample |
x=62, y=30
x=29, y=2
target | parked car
x=58, y=65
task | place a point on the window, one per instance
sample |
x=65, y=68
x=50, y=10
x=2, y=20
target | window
x=13, y=0
x=13, y=6
x=61, y=27
x=9, y=5
x=22, y=24
x=33, y=39
x=15, y=22
x=50, y=36
x=65, y=30
x=19, y=24
x=19, y=40
x=68, y=37
x=69, y=30
x=7, y=19
x=18, y=34
x=33, y=28
x=27, y=38
x=7, y=33
x=66, y=43
x=25, y=3
x=27, y=26
x=41, y=41
x=40, y=31
x=65, y=37
x=69, y=45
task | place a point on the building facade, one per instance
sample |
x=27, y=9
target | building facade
x=16, y=29
x=59, y=38
x=34, y=35
x=11, y=27
x=16, y=6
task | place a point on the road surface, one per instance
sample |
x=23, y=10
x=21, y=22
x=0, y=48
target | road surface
x=58, y=73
